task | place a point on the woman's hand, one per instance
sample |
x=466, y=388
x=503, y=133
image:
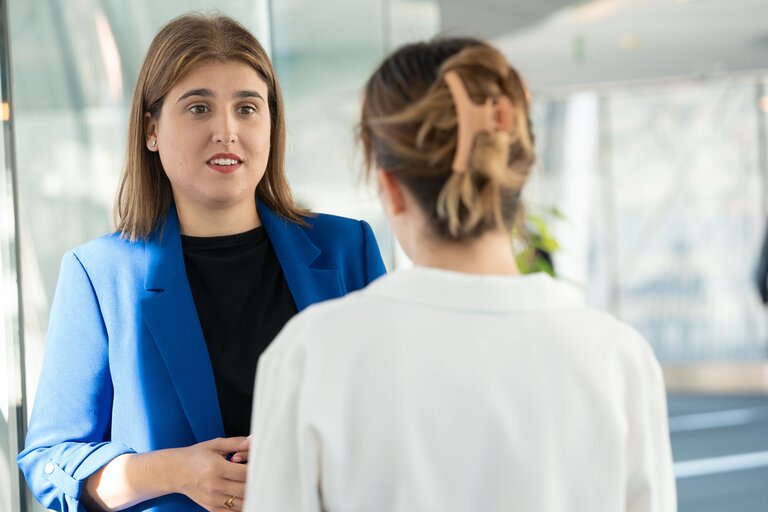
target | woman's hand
x=241, y=455
x=206, y=476
x=201, y=472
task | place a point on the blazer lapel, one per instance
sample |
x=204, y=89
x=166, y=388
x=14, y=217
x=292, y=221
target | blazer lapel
x=170, y=314
x=296, y=253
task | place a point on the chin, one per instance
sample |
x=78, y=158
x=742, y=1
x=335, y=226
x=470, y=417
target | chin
x=223, y=202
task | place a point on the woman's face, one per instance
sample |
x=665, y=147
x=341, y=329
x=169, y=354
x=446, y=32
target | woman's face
x=213, y=135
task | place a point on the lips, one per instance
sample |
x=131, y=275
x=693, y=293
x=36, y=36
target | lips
x=225, y=163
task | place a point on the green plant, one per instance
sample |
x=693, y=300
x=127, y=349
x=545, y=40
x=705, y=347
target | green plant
x=534, y=243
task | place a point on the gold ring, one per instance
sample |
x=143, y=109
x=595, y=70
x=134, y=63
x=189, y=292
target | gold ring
x=230, y=501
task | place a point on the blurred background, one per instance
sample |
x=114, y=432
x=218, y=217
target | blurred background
x=651, y=119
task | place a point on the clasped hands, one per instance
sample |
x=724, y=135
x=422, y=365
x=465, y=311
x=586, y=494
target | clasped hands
x=213, y=473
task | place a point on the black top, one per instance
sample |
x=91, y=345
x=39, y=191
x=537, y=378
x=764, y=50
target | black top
x=242, y=300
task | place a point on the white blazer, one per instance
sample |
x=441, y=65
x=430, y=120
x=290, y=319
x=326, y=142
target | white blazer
x=439, y=391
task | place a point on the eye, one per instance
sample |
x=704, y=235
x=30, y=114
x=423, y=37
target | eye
x=199, y=109
x=247, y=110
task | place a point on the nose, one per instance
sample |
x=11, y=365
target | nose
x=225, y=129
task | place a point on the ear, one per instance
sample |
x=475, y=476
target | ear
x=391, y=191
x=150, y=129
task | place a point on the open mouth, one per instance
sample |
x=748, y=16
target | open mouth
x=224, y=163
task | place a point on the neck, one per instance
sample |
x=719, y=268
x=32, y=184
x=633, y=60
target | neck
x=490, y=254
x=196, y=220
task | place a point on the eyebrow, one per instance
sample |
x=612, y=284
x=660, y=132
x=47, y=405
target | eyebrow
x=248, y=94
x=207, y=93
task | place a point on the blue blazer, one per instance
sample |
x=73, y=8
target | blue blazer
x=126, y=368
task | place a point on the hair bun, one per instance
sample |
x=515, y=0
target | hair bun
x=415, y=132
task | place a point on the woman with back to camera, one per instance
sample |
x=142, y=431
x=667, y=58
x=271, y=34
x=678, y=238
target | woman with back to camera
x=459, y=384
x=146, y=388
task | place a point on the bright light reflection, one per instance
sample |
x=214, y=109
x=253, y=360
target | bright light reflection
x=110, y=55
x=763, y=104
x=596, y=10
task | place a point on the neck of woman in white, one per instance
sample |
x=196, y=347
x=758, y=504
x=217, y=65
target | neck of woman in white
x=489, y=254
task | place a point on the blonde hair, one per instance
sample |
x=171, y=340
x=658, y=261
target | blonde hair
x=144, y=194
x=409, y=127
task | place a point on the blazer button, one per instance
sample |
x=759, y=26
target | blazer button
x=49, y=468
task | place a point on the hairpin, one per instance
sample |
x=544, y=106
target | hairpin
x=493, y=115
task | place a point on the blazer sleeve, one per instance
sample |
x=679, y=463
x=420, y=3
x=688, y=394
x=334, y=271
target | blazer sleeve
x=374, y=265
x=69, y=431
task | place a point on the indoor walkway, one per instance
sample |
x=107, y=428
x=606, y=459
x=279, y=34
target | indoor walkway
x=720, y=447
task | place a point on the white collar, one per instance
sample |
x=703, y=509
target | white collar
x=485, y=293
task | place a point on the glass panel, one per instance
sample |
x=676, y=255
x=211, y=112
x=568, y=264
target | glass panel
x=666, y=232
x=8, y=337
x=323, y=61
x=12, y=415
x=688, y=196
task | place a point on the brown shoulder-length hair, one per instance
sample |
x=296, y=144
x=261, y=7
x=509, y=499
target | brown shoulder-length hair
x=144, y=195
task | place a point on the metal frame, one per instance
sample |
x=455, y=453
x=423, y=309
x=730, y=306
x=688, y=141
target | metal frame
x=17, y=414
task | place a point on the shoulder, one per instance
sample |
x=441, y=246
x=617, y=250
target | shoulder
x=346, y=244
x=107, y=245
x=621, y=333
x=616, y=341
x=636, y=369
x=586, y=333
x=334, y=226
x=105, y=255
x=596, y=346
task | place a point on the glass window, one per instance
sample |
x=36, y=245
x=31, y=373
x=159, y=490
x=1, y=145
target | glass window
x=664, y=204
x=323, y=54
x=688, y=202
x=12, y=416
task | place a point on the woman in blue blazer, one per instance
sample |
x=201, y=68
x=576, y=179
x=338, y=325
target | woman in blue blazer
x=127, y=413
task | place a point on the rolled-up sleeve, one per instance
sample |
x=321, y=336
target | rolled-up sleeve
x=69, y=438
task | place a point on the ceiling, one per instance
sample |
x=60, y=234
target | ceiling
x=494, y=18
x=566, y=44
x=556, y=44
